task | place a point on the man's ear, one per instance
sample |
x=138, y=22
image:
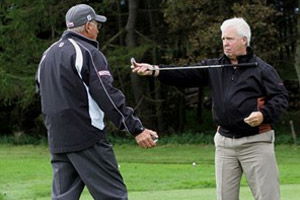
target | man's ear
x=245, y=41
x=87, y=27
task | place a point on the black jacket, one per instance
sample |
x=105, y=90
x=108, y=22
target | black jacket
x=76, y=92
x=236, y=92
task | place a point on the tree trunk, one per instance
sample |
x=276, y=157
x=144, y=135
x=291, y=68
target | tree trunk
x=159, y=121
x=131, y=22
x=130, y=42
x=200, y=105
x=138, y=85
x=297, y=54
x=121, y=42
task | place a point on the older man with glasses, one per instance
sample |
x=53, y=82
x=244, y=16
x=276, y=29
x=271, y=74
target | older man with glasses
x=75, y=85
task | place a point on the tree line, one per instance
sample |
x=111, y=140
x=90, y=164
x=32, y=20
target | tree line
x=177, y=32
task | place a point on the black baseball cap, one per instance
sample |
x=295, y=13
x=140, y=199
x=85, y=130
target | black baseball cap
x=81, y=14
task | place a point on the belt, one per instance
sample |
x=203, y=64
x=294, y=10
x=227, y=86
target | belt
x=264, y=128
x=261, y=129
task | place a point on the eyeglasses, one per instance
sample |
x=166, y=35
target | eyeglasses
x=98, y=25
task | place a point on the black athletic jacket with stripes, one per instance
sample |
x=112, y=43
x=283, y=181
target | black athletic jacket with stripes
x=236, y=92
x=75, y=85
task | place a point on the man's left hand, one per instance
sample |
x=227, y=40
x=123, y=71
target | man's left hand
x=254, y=119
x=146, y=139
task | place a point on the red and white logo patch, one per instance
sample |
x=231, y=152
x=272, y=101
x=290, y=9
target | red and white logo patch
x=70, y=24
x=104, y=73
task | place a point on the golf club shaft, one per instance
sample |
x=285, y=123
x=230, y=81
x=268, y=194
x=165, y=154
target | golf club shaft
x=207, y=66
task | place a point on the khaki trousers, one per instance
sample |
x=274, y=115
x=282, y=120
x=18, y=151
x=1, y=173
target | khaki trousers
x=253, y=155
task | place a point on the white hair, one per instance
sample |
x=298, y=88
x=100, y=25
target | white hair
x=240, y=25
x=78, y=29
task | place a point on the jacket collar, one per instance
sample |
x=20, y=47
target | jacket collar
x=71, y=34
x=242, y=58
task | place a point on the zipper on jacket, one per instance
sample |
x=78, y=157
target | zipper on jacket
x=234, y=71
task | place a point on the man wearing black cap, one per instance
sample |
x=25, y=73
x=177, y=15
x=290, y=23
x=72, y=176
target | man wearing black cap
x=75, y=85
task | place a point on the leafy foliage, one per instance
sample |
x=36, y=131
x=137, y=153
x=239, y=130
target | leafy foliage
x=261, y=18
x=167, y=31
x=199, y=37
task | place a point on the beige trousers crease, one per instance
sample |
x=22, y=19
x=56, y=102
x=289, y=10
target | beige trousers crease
x=255, y=157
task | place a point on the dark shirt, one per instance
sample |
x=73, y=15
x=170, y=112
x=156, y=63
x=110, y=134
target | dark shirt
x=236, y=92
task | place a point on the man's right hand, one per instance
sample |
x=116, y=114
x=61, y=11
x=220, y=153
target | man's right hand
x=146, y=138
x=143, y=69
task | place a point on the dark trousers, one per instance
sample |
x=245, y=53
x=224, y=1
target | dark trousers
x=95, y=167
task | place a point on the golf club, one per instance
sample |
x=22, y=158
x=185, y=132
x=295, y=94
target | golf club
x=133, y=62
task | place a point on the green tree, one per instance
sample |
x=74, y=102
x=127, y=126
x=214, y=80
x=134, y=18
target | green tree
x=155, y=31
x=27, y=28
x=194, y=30
x=199, y=36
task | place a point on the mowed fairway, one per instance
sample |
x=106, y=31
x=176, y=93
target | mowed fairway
x=164, y=173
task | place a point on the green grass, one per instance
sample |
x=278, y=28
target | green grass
x=163, y=173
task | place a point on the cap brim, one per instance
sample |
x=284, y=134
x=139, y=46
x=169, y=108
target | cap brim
x=100, y=18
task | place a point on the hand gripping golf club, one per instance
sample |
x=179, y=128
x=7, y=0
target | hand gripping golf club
x=132, y=60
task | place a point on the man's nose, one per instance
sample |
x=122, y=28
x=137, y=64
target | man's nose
x=225, y=43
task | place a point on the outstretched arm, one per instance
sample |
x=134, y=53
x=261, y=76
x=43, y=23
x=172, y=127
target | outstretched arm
x=189, y=77
x=144, y=69
x=112, y=101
